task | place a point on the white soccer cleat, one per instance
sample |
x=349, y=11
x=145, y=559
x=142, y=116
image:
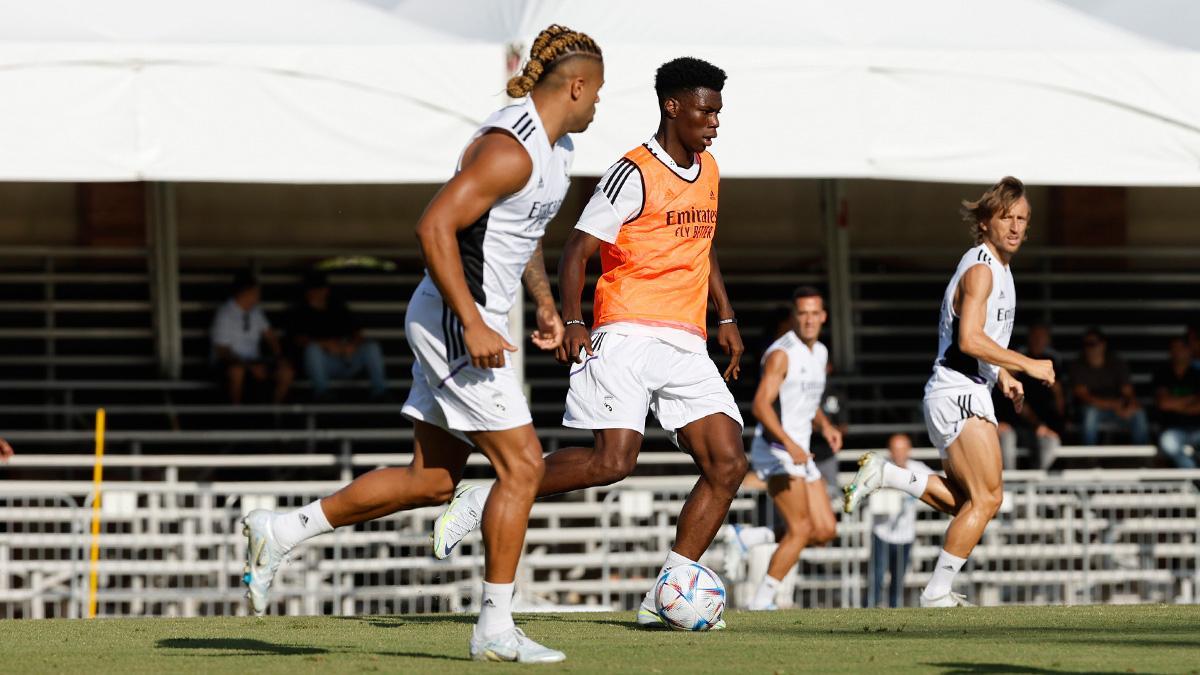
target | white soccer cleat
x=512, y=645
x=735, y=551
x=950, y=599
x=648, y=618
x=769, y=607
x=263, y=557
x=868, y=479
x=458, y=520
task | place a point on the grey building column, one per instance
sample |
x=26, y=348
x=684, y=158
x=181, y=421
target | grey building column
x=837, y=255
x=163, y=246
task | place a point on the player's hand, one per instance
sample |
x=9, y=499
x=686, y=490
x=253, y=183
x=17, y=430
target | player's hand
x=575, y=338
x=6, y=450
x=549, y=333
x=833, y=436
x=799, y=455
x=486, y=346
x=1013, y=390
x=1042, y=369
x=730, y=340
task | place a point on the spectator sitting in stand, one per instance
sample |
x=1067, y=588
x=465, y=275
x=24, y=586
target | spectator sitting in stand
x=330, y=339
x=1104, y=392
x=239, y=329
x=1177, y=391
x=1043, y=416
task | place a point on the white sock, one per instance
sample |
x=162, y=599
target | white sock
x=904, y=480
x=293, y=527
x=756, y=536
x=765, y=595
x=673, y=560
x=943, y=575
x=495, y=615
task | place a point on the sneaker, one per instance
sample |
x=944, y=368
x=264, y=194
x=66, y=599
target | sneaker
x=868, y=479
x=950, y=599
x=735, y=551
x=647, y=618
x=458, y=520
x=512, y=645
x=263, y=557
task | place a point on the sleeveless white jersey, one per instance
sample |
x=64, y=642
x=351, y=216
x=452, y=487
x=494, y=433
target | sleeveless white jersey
x=802, y=387
x=496, y=248
x=953, y=371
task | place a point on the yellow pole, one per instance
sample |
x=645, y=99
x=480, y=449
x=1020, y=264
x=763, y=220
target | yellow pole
x=97, y=477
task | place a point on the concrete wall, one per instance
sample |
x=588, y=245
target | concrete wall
x=37, y=214
x=755, y=214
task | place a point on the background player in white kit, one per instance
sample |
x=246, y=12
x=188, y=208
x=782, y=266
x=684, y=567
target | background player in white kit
x=978, y=309
x=479, y=236
x=793, y=378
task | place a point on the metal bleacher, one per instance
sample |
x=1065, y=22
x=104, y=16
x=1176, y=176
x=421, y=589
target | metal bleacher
x=77, y=332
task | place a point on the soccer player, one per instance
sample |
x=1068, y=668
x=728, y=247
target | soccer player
x=479, y=236
x=793, y=379
x=978, y=309
x=652, y=219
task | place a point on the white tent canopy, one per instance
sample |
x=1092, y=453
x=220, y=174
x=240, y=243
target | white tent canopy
x=343, y=91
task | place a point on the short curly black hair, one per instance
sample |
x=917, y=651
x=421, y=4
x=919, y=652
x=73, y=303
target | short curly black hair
x=686, y=74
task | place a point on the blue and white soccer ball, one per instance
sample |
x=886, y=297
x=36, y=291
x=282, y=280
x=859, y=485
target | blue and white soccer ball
x=690, y=597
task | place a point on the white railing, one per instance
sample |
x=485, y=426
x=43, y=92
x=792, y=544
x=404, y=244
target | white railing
x=175, y=547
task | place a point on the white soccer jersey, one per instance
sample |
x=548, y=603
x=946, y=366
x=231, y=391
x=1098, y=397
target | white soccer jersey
x=802, y=387
x=496, y=248
x=953, y=371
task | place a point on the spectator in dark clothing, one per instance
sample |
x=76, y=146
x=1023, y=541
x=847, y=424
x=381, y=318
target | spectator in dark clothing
x=1177, y=391
x=1101, y=384
x=1193, y=342
x=1043, y=417
x=239, y=330
x=330, y=340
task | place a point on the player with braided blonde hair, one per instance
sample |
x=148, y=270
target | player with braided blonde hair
x=480, y=238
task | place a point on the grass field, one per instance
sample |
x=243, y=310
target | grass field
x=1102, y=639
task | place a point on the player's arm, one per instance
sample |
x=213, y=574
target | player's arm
x=549, y=333
x=973, y=291
x=832, y=434
x=773, y=373
x=572, y=270
x=728, y=335
x=494, y=167
x=6, y=450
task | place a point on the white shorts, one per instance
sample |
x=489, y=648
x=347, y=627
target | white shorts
x=447, y=391
x=945, y=415
x=769, y=458
x=629, y=374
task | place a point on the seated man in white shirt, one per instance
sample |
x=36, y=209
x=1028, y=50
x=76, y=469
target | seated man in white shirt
x=239, y=329
x=895, y=528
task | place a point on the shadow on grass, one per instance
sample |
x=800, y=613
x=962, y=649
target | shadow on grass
x=952, y=668
x=242, y=646
x=414, y=620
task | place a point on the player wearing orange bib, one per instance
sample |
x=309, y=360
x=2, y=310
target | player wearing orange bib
x=652, y=218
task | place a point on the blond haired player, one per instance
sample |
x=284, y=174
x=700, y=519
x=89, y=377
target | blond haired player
x=978, y=310
x=652, y=218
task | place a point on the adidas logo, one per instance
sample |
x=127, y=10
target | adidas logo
x=489, y=603
x=913, y=479
x=541, y=183
x=303, y=520
x=712, y=195
x=948, y=567
x=1001, y=295
x=670, y=195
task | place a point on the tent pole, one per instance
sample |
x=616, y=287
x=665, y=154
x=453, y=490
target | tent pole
x=164, y=277
x=837, y=256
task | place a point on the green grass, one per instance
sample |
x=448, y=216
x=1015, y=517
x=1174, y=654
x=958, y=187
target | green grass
x=1107, y=639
